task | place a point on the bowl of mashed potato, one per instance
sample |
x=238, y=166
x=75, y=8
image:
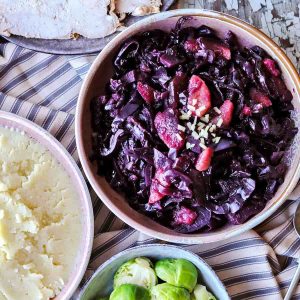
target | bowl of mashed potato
x=46, y=218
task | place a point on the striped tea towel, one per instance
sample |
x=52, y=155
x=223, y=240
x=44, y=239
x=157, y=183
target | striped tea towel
x=44, y=89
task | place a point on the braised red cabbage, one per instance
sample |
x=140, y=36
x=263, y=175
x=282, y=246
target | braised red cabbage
x=172, y=96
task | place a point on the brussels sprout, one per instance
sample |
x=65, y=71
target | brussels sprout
x=130, y=292
x=178, y=272
x=136, y=271
x=201, y=293
x=166, y=291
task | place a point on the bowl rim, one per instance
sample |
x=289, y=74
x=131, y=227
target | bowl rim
x=165, y=246
x=184, y=238
x=87, y=231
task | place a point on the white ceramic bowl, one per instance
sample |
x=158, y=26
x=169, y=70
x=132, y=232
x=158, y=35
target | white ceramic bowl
x=101, y=71
x=101, y=283
x=64, y=158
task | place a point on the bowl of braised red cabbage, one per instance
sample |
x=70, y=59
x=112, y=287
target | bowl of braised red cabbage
x=187, y=124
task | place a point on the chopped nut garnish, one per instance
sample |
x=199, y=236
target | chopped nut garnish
x=200, y=125
x=191, y=108
x=207, y=127
x=202, y=146
x=184, y=117
x=189, y=145
x=181, y=128
x=216, y=109
x=220, y=122
x=205, y=119
x=212, y=128
x=216, y=140
x=195, y=135
x=179, y=136
x=203, y=133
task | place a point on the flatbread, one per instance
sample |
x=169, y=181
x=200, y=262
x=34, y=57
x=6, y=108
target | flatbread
x=57, y=19
x=137, y=7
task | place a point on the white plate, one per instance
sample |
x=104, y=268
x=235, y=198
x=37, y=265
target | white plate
x=65, y=159
x=70, y=46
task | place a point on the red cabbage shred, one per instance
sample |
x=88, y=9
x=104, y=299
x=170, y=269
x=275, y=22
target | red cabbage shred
x=145, y=134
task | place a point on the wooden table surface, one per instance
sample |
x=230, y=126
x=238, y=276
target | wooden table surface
x=279, y=19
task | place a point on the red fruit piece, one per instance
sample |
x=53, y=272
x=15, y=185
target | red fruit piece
x=184, y=216
x=155, y=195
x=199, y=96
x=271, y=66
x=157, y=181
x=160, y=177
x=215, y=46
x=204, y=159
x=226, y=114
x=166, y=124
x=246, y=111
x=146, y=91
x=259, y=97
x=191, y=46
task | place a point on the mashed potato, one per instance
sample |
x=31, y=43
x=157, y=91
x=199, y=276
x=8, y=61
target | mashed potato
x=39, y=220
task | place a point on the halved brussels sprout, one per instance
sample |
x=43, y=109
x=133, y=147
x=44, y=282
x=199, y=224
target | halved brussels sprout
x=201, y=293
x=166, y=291
x=178, y=272
x=136, y=271
x=130, y=292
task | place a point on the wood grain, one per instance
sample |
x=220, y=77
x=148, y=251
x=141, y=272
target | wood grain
x=279, y=19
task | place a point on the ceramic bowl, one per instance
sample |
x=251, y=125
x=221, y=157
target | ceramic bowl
x=99, y=75
x=101, y=283
x=64, y=158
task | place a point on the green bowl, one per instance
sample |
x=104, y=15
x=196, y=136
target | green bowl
x=101, y=283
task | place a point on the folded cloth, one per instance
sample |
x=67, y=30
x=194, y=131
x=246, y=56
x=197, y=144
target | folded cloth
x=43, y=88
